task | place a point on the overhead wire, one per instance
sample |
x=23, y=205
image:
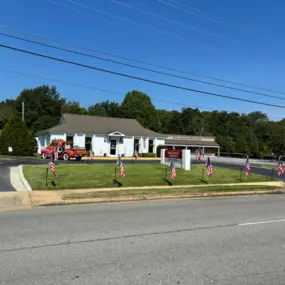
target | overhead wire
x=137, y=61
x=143, y=68
x=138, y=78
x=125, y=20
x=198, y=12
x=70, y=83
x=161, y=18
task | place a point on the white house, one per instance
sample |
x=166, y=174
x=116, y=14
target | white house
x=113, y=136
x=108, y=136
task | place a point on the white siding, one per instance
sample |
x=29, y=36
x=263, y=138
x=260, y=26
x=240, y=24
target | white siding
x=128, y=146
x=43, y=141
x=157, y=142
x=144, y=145
x=79, y=140
x=58, y=137
x=100, y=145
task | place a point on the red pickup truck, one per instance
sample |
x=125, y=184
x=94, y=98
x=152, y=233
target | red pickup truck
x=65, y=150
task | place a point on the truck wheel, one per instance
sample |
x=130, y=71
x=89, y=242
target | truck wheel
x=65, y=156
x=60, y=149
x=44, y=155
x=78, y=158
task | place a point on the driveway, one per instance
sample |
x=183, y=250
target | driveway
x=5, y=184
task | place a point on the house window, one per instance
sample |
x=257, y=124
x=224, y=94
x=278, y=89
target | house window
x=150, y=146
x=69, y=139
x=136, y=145
x=88, y=142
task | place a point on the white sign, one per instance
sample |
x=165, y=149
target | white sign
x=10, y=149
x=184, y=163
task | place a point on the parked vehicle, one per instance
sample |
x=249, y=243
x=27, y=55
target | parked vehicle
x=65, y=150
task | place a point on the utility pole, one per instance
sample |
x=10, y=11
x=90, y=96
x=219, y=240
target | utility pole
x=23, y=111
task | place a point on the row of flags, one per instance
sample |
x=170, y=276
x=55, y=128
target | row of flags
x=247, y=166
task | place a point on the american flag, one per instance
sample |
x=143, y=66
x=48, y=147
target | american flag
x=52, y=168
x=209, y=167
x=55, y=151
x=136, y=154
x=280, y=169
x=173, y=169
x=199, y=155
x=51, y=157
x=91, y=152
x=247, y=167
x=120, y=163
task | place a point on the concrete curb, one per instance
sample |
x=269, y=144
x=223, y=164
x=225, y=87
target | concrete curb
x=266, y=183
x=23, y=179
x=162, y=197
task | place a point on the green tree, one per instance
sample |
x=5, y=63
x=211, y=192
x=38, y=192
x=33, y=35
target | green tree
x=73, y=107
x=40, y=101
x=106, y=109
x=6, y=112
x=17, y=136
x=137, y=105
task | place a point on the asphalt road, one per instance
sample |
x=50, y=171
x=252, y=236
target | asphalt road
x=198, y=241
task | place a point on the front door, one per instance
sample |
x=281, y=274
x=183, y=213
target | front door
x=113, y=146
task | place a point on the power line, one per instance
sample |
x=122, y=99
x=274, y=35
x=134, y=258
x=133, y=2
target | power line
x=193, y=12
x=138, y=61
x=139, y=78
x=113, y=91
x=123, y=19
x=161, y=18
x=143, y=68
x=197, y=12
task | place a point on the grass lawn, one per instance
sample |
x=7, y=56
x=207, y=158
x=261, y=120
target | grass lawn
x=102, y=175
x=141, y=193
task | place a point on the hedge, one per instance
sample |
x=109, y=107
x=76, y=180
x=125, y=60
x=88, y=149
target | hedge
x=149, y=154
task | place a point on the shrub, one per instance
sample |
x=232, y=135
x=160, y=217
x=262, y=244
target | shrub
x=149, y=154
x=16, y=134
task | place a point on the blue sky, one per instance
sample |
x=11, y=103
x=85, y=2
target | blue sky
x=244, y=43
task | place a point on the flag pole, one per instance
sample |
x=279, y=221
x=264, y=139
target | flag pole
x=46, y=177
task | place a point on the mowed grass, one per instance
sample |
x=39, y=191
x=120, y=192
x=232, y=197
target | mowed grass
x=102, y=175
x=152, y=192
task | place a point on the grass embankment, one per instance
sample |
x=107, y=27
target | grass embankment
x=153, y=192
x=102, y=175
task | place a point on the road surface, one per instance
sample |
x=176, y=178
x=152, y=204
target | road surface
x=198, y=241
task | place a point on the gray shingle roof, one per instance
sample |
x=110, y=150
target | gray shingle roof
x=191, y=143
x=72, y=123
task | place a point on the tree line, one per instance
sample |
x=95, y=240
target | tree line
x=237, y=134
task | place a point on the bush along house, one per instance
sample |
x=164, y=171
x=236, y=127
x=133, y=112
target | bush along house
x=106, y=136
